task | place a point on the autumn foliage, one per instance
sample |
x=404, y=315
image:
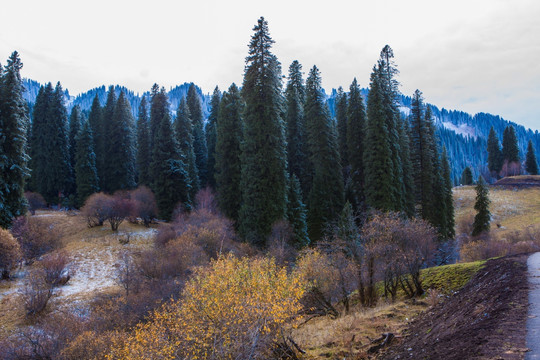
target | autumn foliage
x=232, y=310
x=10, y=253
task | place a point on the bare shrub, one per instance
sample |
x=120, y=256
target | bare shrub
x=35, y=292
x=433, y=297
x=144, y=204
x=10, y=253
x=279, y=243
x=127, y=274
x=118, y=208
x=206, y=200
x=465, y=224
x=36, y=236
x=484, y=247
x=55, y=268
x=95, y=209
x=35, y=201
x=164, y=234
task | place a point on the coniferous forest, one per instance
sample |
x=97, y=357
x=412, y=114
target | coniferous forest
x=268, y=202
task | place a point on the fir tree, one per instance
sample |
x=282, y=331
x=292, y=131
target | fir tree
x=264, y=157
x=94, y=119
x=495, y=158
x=355, y=130
x=483, y=216
x=341, y=123
x=184, y=136
x=531, y=165
x=38, y=140
x=510, y=148
x=347, y=230
x=85, y=165
x=228, y=153
x=120, y=165
x=75, y=120
x=199, y=139
x=13, y=132
x=211, y=136
x=296, y=132
x=448, y=200
x=171, y=180
x=297, y=213
x=159, y=107
x=326, y=195
x=408, y=206
x=104, y=140
x=467, y=176
x=143, y=145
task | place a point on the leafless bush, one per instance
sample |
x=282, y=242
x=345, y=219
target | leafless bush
x=164, y=234
x=465, y=224
x=55, y=268
x=127, y=273
x=10, y=253
x=144, y=204
x=35, y=201
x=35, y=292
x=118, y=208
x=36, y=236
x=206, y=200
x=95, y=209
x=279, y=243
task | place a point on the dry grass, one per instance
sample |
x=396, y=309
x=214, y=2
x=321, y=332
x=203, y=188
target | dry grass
x=350, y=336
x=512, y=209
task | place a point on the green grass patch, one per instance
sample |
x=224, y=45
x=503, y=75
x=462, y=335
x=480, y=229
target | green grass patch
x=450, y=278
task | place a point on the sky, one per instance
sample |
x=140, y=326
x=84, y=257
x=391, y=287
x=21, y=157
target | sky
x=469, y=55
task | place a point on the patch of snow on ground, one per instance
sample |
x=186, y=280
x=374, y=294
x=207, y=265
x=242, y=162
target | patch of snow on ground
x=462, y=129
x=405, y=110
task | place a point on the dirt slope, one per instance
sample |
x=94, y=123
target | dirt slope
x=484, y=320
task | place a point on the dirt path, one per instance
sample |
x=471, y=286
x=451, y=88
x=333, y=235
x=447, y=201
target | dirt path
x=533, y=321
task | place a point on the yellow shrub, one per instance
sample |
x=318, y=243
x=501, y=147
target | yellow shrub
x=234, y=308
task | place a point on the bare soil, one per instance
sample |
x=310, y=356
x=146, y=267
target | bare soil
x=486, y=319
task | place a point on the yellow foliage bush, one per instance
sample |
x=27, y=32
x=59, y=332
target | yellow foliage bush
x=233, y=309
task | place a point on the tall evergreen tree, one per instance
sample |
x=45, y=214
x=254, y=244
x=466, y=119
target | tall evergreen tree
x=159, y=107
x=341, y=123
x=228, y=153
x=495, y=158
x=326, y=195
x=264, y=157
x=119, y=170
x=38, y=141
x=448, y=199
x=510, y=148
x=297, y=213
x=296, y=133
x=211, y=136
x=408, y=205
x=13, y=147
x=143, y=145
x=483, y=215
x=104, y=140
x=94, y=119
x=184, y=136
x=199, y=139
x=531, y=165
x=355, y=130
x=75, y=120
x=85, y=165
x=171, y=180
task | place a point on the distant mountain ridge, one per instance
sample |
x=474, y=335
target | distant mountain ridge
x=464, y=135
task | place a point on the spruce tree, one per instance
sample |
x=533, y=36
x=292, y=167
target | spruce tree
x=94, y=119
x=13, y=131
x=75, y=120
x=467, y=176
x=296, y=133
x=531, y=165
x=408, y=205
x=495, y=158
x=38, y=141
x=184, y=137
x=199, y=139
x=264, y=154
x=326, y=195
x=448, y=199
x=378, y=166
x=143, y=145
x=228, y=153
x=211, y=136
x=297, y=213
x=355, y=131
x=341, y=123
x=104, y=141
x=159, y=107
x=483, y=216
x=347, y=230
x=85, y=165
x=119, y=170
x=171, y=180
x=510, y=148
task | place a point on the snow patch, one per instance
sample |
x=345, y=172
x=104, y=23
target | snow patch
x=462, y=129
x=405, y=110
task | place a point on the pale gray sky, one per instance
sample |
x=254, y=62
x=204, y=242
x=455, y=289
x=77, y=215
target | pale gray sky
x=471, y=55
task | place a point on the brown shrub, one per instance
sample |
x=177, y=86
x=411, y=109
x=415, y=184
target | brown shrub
x=35, y=292
x=465, y=224
x=35, y=201
x=36, y=236
x=10, y=253
x=144, y=205
x=95, y=209
x=164, y=234
x=279, y=243
x=118, y=208
x=55, y=268
x=206, y=200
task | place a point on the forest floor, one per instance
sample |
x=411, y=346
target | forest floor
x=94, y=255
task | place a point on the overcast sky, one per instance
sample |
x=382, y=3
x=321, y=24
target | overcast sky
x=470, y=55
